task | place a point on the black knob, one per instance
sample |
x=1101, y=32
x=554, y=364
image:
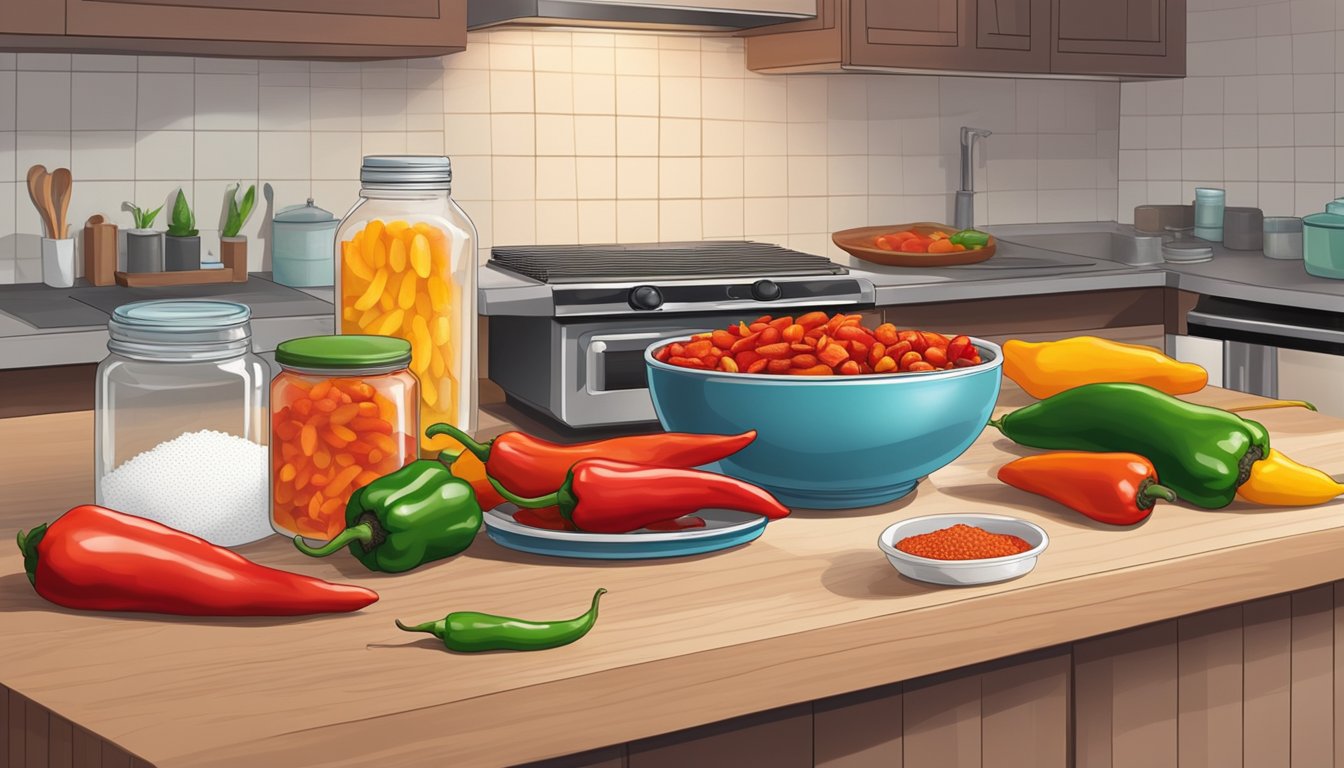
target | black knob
x=765, y=290
x=645, y=297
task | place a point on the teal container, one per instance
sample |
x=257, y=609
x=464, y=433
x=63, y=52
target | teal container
x=303, y=241
x=832, y=442
x=1335, y=206
x=1323, y=245
x=1209, y=206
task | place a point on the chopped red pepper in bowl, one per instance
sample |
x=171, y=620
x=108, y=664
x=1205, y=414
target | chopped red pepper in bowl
x=816, y=345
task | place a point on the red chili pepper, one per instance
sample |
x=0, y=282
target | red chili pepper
x=529, y=466
x=1114, y=488
x=96, y=559
x=604, y=496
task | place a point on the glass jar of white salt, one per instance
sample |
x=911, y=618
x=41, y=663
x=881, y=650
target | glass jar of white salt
x=182, y=420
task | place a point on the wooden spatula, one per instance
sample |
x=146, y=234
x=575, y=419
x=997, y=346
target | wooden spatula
x=37, y=179
x=61, y=183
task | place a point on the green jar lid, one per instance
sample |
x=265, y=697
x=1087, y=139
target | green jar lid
x=1327, y=220
x=344, y=352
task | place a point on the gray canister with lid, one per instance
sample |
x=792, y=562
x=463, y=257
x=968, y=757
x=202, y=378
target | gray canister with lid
x=303, y=238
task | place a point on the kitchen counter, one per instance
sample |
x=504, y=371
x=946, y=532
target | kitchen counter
x=1020, y=270
x=812, y=609
x=24, y=346
x=1017, y=270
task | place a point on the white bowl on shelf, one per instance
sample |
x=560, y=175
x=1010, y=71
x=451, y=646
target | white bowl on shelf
x=963, y=572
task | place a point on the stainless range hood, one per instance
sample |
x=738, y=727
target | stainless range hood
x=700, y=15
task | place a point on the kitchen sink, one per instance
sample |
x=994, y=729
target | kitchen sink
x=1117, y=245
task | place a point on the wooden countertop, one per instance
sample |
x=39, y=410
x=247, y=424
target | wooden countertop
x=809, y=610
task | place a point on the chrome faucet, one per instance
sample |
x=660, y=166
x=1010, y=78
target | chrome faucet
x=964, y=215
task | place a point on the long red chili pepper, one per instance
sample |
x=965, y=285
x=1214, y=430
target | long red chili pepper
x=96, y=559
x=1114, y=488
x=530, y=466
x=604, y=496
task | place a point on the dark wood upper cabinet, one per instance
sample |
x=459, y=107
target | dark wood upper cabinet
x=1115, y=38
x=32, y=17
x=334, y=29
x=1135, y=37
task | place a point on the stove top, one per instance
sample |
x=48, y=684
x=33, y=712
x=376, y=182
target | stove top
x=645, y=262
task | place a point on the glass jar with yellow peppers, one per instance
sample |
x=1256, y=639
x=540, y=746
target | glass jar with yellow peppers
x=407, y=268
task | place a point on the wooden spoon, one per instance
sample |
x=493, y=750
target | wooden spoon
x=36, y=175
x=44, y=203
x=61, y=182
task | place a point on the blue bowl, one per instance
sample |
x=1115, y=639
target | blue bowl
x=833, y=442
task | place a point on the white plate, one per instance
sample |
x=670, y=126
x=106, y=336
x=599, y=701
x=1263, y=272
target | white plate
x=723, y=529
x=963, y=572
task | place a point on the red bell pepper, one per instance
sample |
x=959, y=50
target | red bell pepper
x=96, y=559
x=530, y=466
x=1114, y=488
x=603, y=496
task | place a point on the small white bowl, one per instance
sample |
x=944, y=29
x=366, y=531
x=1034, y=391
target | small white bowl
x=963, y=572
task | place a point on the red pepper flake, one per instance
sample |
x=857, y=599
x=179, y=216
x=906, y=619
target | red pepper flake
x=962, y=542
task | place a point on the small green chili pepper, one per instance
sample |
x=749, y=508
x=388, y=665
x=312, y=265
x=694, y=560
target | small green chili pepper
x=1203, y=454
x=469, y=632
x=416, y=515
x=971, y=238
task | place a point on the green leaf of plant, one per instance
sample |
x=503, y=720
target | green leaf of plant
x=181, y=222
x=232, y=220
x=249, y=200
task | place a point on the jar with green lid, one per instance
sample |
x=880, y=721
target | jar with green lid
x=344, y=413
x=407, y=268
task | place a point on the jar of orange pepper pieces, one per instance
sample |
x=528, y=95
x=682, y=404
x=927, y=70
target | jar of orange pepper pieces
x=343, y=414
x=406, y=257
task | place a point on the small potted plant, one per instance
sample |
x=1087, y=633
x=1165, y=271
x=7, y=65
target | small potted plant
x=144, y=245
x=233, y=246
x=182, y=246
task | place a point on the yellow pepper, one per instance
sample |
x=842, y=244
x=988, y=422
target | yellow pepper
x=1277, y=480
x=1044, y=369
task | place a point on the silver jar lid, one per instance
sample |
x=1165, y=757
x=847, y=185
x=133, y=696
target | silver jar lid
x=407, y=172
x=181, y=329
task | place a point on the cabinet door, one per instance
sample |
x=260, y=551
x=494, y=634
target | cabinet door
x=1118, y=37
x=997, y=36
x=32, y=17
x=262, y=27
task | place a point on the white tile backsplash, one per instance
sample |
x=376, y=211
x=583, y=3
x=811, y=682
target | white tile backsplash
x=559, y=136
x=1267, y=94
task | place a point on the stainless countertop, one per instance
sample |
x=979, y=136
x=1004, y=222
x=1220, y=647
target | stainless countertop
x=1016, y=270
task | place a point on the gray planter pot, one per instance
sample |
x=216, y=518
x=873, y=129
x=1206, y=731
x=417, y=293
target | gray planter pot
x=144, y=250
x=181, y=254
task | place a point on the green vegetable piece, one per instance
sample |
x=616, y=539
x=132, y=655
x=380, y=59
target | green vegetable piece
x=971, y=238
x=471, y=632
x=183, y=221
x=144, y=219
x=237, y=215
x=417, y=515
x=1203, y=454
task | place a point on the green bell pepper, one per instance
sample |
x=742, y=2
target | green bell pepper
x=415, y=515
x=1203, y=454
x=971, y=238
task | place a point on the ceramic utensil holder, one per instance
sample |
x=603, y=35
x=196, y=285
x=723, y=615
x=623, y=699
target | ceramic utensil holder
x=144, y=251
x=58, y=262
x=181, y=254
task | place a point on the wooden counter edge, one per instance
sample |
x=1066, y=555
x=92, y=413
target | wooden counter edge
x=628, y=703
